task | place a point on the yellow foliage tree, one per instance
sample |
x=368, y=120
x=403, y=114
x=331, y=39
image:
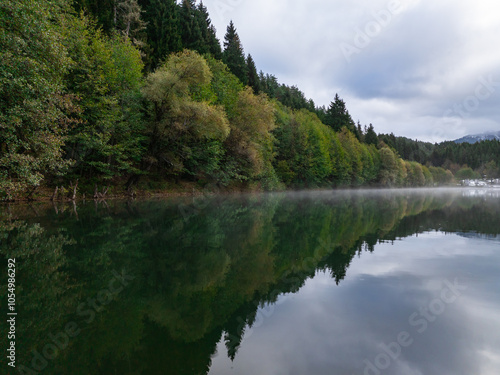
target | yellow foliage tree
x=250, y=141
x=185, y=123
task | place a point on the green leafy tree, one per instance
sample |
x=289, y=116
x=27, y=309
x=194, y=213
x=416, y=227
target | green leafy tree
x=389, y=167
x=316, y=163
x=342, y=169
x=429, y=179
x=233, y=55
x=438, y=175
x=250, y=140
x=308, y=153
x=32, y=98
x=466, y=173
x=370, y=162
x=355, y=154
x=225, y=86
x=402, y=177
x=490, y=170
x=416, y=175
x=106, y=76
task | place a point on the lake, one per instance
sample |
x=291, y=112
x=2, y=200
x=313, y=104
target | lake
x=319, y=283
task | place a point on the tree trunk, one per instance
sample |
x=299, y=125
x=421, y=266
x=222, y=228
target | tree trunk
x=127, y=30
x=74, y=210
x=54, y=196
x=73, y=196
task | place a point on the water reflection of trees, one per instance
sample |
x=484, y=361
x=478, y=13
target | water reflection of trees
x=200, y=275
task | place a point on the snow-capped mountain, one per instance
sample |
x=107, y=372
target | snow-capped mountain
x=479, y=137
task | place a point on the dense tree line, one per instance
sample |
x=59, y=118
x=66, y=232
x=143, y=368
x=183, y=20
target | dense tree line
x=131, y=92
x=409, y=149
x=481, y=159
x=482, y=156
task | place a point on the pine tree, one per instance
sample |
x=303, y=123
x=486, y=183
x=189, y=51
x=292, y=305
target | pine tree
x=161, y=17
x=359, y=129
x=371, y=137
x=233, y=55
x=191, y=32
x=337, y=116
x=209, y=33
x=253, y=77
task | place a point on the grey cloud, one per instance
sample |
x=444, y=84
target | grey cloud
x=428, y=58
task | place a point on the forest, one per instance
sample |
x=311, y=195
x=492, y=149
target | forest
x=140, y=95
x=464, y=160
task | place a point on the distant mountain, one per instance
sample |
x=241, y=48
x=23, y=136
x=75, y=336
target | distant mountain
x=479, y=137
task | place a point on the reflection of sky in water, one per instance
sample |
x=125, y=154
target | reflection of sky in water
x=328, y=329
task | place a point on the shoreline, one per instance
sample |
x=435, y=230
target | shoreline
x=142, y=195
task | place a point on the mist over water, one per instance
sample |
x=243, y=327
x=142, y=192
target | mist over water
x=326, y=282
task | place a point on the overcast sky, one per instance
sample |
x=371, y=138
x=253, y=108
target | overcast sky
x=419, y=68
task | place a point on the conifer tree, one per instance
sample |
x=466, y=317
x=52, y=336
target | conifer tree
x=371, y=137
x=233, y=55
x=209, y=33
x=359, y=130
x=191, y=31
x=337, y=116
x=253, y=77
x=163, y=36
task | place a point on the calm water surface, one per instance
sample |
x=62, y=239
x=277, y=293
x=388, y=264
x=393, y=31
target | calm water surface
x=322, y=283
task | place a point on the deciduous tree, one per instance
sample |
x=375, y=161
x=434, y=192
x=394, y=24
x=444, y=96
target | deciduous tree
x=32, y=98
x=106, y=76
x=186, y=129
